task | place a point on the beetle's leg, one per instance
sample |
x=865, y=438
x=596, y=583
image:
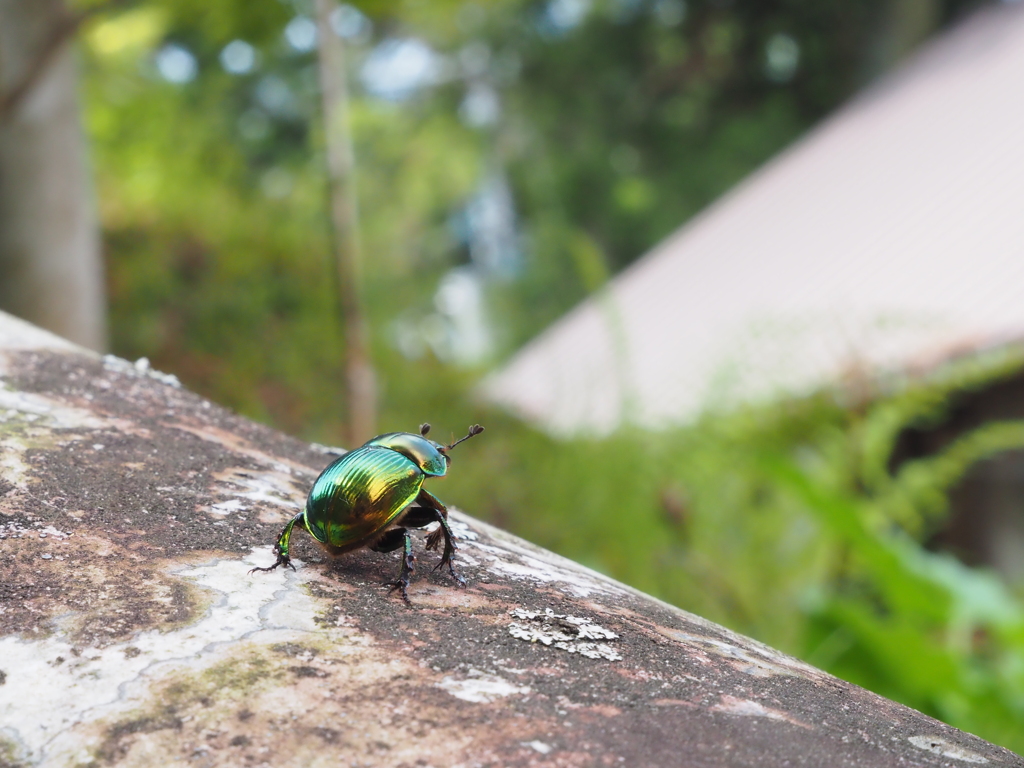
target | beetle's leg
x=389, y=542
x=281, y=547
x=431, y=502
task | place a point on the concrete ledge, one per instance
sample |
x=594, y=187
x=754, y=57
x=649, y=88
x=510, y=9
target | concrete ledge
x=132, y=634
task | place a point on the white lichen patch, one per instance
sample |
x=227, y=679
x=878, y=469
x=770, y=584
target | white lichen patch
x=29, y=420
x=15, y=530
x=731, y=705
x=481, y=688
x=52, y=686
x=940, y=746
x=573, y=634
x=13, y=468
x=227, y=507
x=140, y=367
x=538, y=746
x=39, y=410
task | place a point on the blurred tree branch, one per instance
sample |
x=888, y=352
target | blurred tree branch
x=64, y=27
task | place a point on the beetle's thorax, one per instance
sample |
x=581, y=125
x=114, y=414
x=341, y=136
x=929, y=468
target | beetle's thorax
x=428, y=455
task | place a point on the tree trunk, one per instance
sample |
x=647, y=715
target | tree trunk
x=359, y=375
x=50, y=264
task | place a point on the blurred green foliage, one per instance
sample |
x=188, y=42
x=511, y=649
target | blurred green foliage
x=787, y=523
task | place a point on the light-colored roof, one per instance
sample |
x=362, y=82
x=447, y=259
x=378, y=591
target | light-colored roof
x=891, y=234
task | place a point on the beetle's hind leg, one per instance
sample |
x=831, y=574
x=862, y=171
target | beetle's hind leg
x=281, y=546
x=389, y=542
x=450, y=548
x=432, y=509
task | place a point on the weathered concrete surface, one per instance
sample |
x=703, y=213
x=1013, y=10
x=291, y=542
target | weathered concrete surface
x=131, y=633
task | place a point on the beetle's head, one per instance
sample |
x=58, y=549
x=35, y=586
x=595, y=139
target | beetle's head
x=474, y=430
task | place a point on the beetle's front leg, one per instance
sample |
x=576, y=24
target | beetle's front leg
x=431, y=502
x=389, y=542
x=281, y=547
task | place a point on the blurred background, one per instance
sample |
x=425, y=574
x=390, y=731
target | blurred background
x=733, y=285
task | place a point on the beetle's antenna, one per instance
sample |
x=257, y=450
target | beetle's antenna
x=476, y=429
x=424, y=428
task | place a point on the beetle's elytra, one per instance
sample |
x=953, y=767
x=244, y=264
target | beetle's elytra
x=371, y=496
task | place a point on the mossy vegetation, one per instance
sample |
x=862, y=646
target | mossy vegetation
x=186, y=702
x=10, y=755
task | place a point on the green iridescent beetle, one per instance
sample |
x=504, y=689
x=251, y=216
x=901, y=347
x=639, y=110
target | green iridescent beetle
x=371, y=496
